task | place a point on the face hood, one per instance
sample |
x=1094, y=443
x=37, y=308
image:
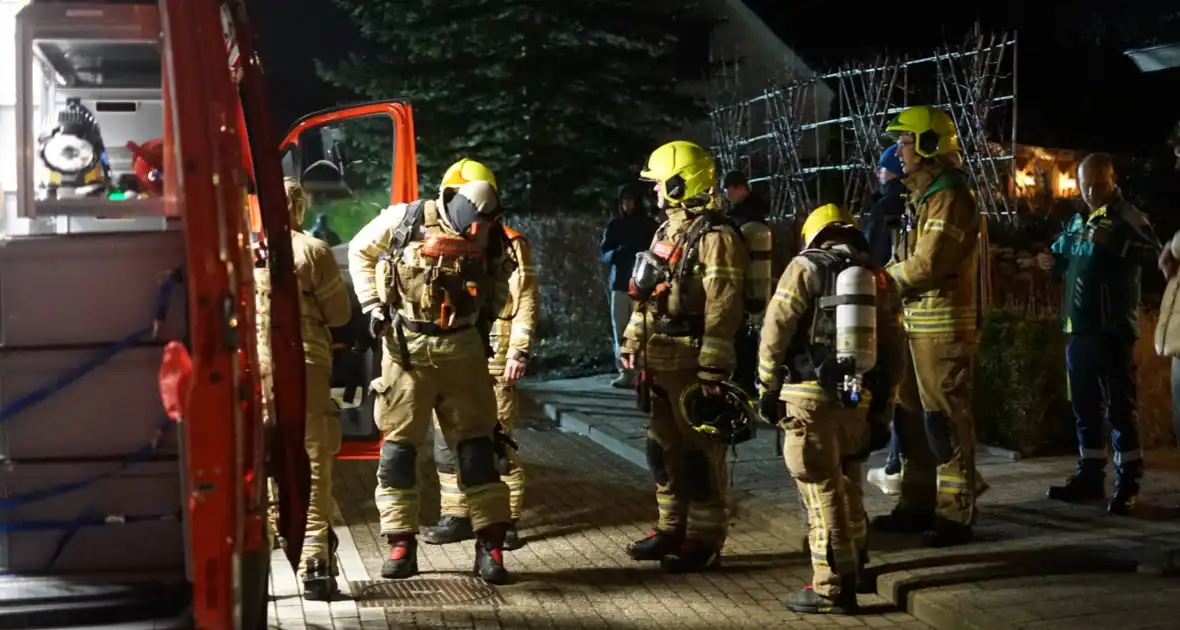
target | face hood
x=634, y=191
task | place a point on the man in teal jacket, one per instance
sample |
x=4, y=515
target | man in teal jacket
x=1102, y=254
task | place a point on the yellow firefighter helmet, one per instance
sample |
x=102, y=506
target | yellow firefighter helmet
x=823, y=217
x=468, y=170
x=934, y=130
x=685, y=169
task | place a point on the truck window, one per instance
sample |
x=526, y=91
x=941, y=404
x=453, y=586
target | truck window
x=348, y=173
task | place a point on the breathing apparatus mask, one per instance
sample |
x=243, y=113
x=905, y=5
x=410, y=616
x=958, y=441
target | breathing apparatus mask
x=726, y=419
x=652, y=273
x=471, y=207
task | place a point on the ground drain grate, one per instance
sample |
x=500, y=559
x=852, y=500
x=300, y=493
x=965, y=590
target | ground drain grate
x=422, y=592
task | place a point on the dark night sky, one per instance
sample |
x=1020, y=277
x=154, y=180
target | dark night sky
x=1071, y=94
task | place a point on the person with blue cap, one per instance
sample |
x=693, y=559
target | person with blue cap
x=883, y=218
x=888, y=207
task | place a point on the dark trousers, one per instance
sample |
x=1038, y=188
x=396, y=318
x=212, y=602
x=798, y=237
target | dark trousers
x=893, y=461
x=746, y=349
x=1102, y=388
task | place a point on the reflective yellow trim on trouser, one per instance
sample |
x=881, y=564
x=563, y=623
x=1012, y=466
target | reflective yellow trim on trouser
x=396, y=508
x=322, y=441
x=454, y=503
x=922, y=318
x=673, y=514
x=451, y=499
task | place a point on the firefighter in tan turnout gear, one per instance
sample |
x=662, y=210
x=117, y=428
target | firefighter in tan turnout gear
x=689, y=291
x=938, y=281
x=831, y=319
x=323, y=304
x=426, y=273
x=512, y=342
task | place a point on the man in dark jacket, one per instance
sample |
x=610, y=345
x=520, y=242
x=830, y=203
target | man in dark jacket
x=1101, y=254
x=625, y=236
x=888, y=208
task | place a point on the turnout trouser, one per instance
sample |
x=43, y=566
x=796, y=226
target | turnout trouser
x=453, y=501
x=460, y=392
x=689, y=469
x=937, y=428
x=823, y=448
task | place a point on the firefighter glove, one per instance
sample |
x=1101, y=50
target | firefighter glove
x=377, y=323
x=768, y=406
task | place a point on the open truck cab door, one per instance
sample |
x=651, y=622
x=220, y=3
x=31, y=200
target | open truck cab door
x=132, y=490
x=353, y=161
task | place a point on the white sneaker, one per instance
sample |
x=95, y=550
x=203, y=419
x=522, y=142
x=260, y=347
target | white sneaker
x=889, y=484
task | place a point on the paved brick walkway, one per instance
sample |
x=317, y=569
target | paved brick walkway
x=584, y=505
x=1036, y=564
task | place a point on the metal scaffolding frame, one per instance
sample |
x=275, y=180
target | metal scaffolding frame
x=975, y=82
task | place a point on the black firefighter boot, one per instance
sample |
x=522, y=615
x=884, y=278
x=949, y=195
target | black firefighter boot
x=450, y=529
x=489, y=554
x=654, y=546
x=693, y=556
x=1079, y=488
x=806, y=601
x=319, y=585
x=319, y=577
x=403, y=557
x=901, y=521
x=512, y=539
x=947, y=533
x=1126, y=492
x=866, y=581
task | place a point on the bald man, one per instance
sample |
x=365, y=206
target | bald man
x=1101, y=252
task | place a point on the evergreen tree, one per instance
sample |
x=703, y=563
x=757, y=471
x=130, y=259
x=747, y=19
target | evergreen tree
x=563, y=99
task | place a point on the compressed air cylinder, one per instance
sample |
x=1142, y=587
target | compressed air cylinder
x=856, y=318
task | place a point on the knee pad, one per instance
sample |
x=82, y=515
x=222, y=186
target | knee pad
x=940, y=435
x=654, y=453
x=696, y=476
x=397, y=466
x=477, y=462
x=444, y=457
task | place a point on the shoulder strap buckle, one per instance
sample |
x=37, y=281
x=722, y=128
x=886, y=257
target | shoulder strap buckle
x=410, y=220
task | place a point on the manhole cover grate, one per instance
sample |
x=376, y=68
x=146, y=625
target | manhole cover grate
x=422, y=592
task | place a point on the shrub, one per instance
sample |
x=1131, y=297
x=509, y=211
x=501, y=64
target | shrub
x=574, y=334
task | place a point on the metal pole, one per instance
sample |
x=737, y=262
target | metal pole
x=815, y=101
x=1015, y=111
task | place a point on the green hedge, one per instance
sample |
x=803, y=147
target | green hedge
x=1020, y=392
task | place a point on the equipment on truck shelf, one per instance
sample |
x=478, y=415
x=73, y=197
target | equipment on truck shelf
x=74, y=154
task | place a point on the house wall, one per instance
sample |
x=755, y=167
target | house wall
x=764, y=58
